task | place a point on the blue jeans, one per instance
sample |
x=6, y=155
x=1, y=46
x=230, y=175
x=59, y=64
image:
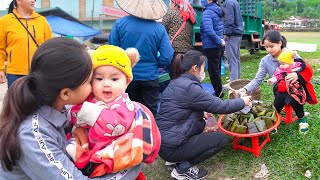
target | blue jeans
x=11, y=78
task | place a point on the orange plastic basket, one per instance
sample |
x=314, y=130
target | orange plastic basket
x=256, y=147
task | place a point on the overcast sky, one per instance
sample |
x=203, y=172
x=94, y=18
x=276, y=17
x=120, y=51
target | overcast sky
x=4, y=4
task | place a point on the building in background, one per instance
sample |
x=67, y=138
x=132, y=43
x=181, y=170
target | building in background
x=99, y=14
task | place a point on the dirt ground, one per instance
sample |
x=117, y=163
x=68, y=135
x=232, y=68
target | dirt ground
x=313, y=61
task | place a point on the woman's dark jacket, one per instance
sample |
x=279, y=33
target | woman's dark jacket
x=182, y=110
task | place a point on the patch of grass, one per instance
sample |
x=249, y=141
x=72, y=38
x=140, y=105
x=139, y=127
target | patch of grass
x=303, y=37
x=287, y=156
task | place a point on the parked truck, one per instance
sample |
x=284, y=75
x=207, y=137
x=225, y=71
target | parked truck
x=251, y=11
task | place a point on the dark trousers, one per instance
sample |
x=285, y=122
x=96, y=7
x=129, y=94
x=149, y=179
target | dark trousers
x=11, y=78
x=283, y=98
x=196, y=150
x=145, y=92
x=214, y=56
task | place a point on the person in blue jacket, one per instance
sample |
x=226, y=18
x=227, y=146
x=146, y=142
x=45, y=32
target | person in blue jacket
x=211, y=30
x=233, y=31
x=140, y=30
x=33, y=118
x=181, y=118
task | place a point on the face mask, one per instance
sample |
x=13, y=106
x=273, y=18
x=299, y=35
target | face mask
x=203, y=75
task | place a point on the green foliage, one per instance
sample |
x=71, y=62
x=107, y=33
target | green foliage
x=282, y=9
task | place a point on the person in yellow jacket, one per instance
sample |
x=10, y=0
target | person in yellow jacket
x=17, y=45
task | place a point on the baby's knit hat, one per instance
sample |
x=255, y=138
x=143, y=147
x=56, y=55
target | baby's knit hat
x=286, y=56
x=108, y=55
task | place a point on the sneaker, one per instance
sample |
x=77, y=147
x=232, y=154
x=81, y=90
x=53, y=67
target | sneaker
x=303, y=128
x=275, y=130
x=193, y=173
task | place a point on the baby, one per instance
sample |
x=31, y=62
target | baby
x=287, y=65
x=110, y=130
x=291, y=92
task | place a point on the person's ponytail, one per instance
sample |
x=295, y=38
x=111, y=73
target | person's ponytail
x=177, y=66
x=18, y=103
x=12, y=5
x=284, y=42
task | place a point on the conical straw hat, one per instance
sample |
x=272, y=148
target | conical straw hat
x=145, y=9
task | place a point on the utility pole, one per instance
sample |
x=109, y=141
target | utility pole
x=92, y=13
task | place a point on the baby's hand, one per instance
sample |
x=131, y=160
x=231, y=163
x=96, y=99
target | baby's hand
x=247, y=100
x=271, y=81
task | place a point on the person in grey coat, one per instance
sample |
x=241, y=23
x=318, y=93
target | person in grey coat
x=233, y=31
x=33, y=118
x=181, y=118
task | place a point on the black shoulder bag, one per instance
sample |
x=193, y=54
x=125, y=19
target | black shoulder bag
x=26, y=30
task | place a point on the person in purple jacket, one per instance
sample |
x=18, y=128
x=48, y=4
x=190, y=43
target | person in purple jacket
x=32, y=136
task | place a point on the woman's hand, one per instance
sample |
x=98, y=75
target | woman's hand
x=207, y=115
x=214, y=128
x=247, y=100
x=241, y=91
x=292, y=77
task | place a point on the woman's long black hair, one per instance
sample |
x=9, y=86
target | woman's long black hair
x=57, y=64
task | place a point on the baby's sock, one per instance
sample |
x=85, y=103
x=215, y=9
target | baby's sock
x=303, y=125
x=302, y=120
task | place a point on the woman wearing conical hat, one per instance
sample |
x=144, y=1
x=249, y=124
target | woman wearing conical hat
x=140, y=30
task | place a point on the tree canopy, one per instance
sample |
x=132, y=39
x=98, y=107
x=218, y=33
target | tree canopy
x=274, y=10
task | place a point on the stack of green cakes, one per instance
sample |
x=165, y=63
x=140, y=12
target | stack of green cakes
x=260, y=118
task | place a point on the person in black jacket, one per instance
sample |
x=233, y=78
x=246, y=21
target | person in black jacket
x=181, y=118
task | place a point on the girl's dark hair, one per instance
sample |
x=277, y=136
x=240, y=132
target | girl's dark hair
x=184, y=62
x=57, y=64
x=275, y=37
x=11, y=6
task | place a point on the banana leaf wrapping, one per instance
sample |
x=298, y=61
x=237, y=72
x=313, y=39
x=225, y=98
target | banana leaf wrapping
x=240, y=129
x=262, y=113
x=274, y=117
x=251, y=118
x=269, y=113
x=227, y=123
x=252, y=128
x=257, y=119
x=261, y=125
x=261, y=117
x=268, y=121
x=244, y=122
x=234, y=125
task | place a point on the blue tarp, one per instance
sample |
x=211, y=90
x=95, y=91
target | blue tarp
x=65, y=27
